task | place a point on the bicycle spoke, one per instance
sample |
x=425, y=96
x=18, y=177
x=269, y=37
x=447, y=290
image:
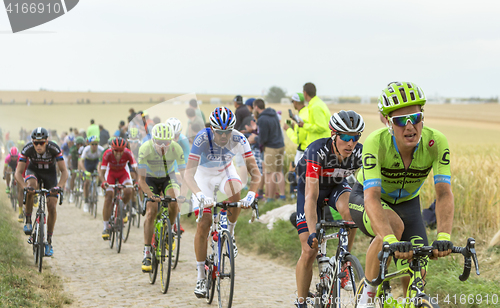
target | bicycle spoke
x=225, y=278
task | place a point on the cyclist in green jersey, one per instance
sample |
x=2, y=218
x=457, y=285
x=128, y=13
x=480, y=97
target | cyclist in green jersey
x=157, y=177
x=396, y=162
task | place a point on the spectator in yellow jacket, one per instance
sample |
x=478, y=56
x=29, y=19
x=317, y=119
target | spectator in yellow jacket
x=319, y=115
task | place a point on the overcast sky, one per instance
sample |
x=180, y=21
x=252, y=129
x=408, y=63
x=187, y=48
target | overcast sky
x=450, y=48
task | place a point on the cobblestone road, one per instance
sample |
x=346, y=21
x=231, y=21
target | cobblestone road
x=97, y=276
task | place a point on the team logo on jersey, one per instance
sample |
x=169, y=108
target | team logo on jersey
x=431, y=143
x=200, y=139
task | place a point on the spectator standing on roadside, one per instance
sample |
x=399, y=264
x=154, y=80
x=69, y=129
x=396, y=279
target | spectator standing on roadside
x=193, y=122
x=319, y=115
x=132, y=114
x=296, y=133
x=93, y=129
x=120, y=132
x=243, y=115
x=194, y=105
x=271, y=140
x=103, y=136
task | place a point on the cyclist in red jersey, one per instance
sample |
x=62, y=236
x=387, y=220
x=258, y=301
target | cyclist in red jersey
x=114, y=170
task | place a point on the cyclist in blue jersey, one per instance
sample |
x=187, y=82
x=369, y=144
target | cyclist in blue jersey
x=322, y=172
x=210, y=164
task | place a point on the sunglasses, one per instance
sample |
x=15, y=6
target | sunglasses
x=403, y=120
x=118, y=151
x=222, y=131
x=39, y=142
x=163, y=143
x=94, y=144
x=347, y=138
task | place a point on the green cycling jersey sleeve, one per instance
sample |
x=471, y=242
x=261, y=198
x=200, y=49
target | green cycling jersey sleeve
x=383, y=166
x=157, y=165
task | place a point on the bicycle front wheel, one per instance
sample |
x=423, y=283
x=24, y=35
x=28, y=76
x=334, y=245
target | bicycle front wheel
x=425, y=302
x=94, y=200
x=119, y=227
x=344, y=286
x=40, y=243
x=177, y=239
x=210, y=274
x=225, y=278
x=154, y=260
x=166, y=245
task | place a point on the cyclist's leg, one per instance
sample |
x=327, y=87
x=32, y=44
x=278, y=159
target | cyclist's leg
x=339, y=200
x=50, y=180
x=125, y=179
x=86, y=186
x=151, y=211
x=108, y=199
x=360, y=217
x=20, y=201
x=304, y=268
x=172, y=189
x=31, y=180
x=7, y=177
x=231, y=186
x=414, y=232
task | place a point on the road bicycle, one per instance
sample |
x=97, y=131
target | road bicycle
x=116, y=221
x=164, y=247
x=219, y=265
x=93, y=196
x=333, y=288
x=140, y=206
x=38, y=234
x=77, y=188
x=415, y=296
x=13, y=191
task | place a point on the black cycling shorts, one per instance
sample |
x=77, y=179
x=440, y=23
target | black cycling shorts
x=49, y=179
x=160, y=186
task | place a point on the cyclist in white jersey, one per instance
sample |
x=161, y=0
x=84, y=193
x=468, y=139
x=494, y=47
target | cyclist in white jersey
x=210, y=164
x=88, y=162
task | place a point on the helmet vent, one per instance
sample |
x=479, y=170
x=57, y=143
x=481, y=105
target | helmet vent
x=420, y=94
x=412, y=95
x=386, y=101
x=391, y=89
x=395, y=100
x=403, y=94
x=409, y=85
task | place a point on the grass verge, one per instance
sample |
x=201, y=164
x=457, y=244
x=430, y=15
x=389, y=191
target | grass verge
x=20, y=283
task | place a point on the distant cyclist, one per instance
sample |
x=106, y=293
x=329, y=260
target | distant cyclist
x=322, y=172
x=74, y=155
x=43, y=156
x=10, y=167
x=88, y=162
x=115, y=170
x=396, y=161
x=157, y=178
x=210, y=164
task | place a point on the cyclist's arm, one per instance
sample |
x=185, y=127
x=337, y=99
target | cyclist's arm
x=310, y=205
x=189, y=173
x=21, y=165
x=64, y=173
x=142, y=182
x=444, y=207
x=253, y=169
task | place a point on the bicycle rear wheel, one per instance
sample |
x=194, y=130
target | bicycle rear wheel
x=225, y=278
x=177, y=239
x=166, y=243
x=154, y=261
x=347, y=295
x=139, y=209
x=40, y=243
x=119, y=227
x=34, y=242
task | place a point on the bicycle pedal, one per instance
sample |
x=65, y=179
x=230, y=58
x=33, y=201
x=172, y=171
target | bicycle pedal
x=30, y=240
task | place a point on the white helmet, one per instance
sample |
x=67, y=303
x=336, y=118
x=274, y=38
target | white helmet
x=176, y=125
x=347, y=122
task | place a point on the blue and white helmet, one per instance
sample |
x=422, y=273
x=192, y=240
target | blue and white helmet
x=222, y=118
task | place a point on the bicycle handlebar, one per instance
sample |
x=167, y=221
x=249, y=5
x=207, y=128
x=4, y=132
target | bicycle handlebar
x=225, y=204
x=467, y=251
x=164, y=200
x=43, y=190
